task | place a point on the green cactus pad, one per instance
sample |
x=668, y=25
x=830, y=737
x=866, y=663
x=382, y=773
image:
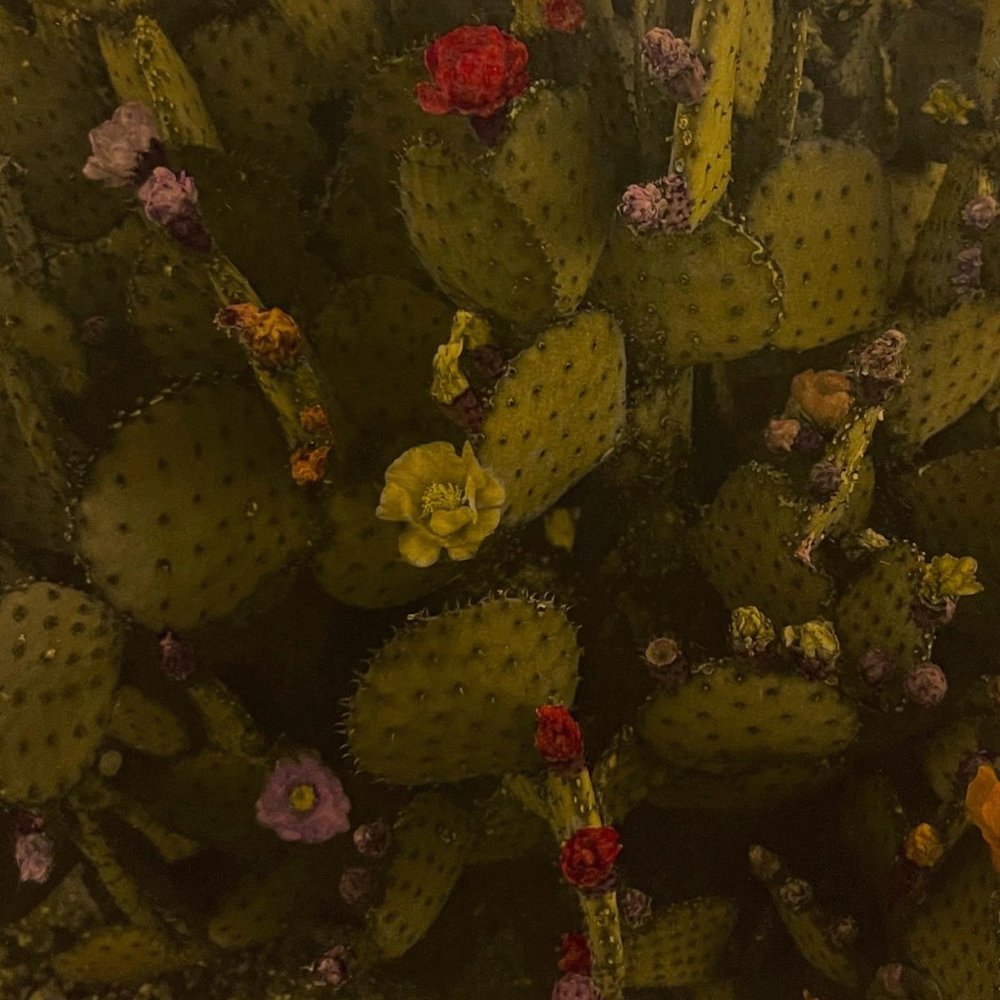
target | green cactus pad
x=191, y=508
x=872, y=824
x=754, y=55
x=702, y=144
x=124, y=956
x=145, y=724
x=725, y=719
x=472, y=239
x=954, y=359
x=624, y=775
x=745, y=545
x=708, y=296
x=121, y=60
x=809, y=929
x=505, y=829
x=913, y=195
x=360, y=565
x=556, y=414
x=432, y=837
x=59, y=667
x=824, y=212
x=228, y=725
x=50, y=103
x=681, y=945
x=945, y=752
x=260, y=87
x=952, y=935
x=376, y=341
x=454, y=696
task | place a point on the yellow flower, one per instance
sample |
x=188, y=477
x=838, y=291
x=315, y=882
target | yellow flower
x=750, y=631
x=815, y=640
x=449, y=383
x=949, y=576
x=947, y=103
x=982, y=806
x=922, y=845
x=447, y=501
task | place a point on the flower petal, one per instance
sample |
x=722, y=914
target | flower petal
x=446, y=522
x=396, y=504
x=418, y=548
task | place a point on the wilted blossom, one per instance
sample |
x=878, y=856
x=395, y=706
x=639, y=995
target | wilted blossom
x=880, y=367
x=336, y=966
x=925, y=685
x=120, y=144
x=980, y=211
x=171, y=201
x=843, y=932
x=823, y=397
x=635, y=906
x=796, y=894
x=673, y=62
x=33, y=851
x=304, y=801
x=373, y=839
x=969, y=766
x=662, y=206
x=967, y=276
x=780, y=434
x=574, y=986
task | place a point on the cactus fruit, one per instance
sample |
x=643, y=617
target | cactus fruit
x=188, y=549
x=681, y=946
x=556, y=414
x=60, y=667
x=453, y=696
x=431, y=837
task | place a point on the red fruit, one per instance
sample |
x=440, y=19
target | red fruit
x=477, y=69
x=557, y=735
x=575, y=955
x=566, y=16
x=587, y=859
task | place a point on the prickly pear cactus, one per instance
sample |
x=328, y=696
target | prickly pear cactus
x=453, y=696
x=59, y=666
x=124, y=956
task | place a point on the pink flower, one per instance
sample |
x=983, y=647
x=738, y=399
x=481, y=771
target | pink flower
x=566, y=16
x=119, y=144
x=662, y=206
x=33, y=854
x=574, y=986
x=673, y=62
x=166, y=196
x=304, y=801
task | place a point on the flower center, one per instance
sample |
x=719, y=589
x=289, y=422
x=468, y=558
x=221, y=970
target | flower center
x=302, y=798
x=441, y=496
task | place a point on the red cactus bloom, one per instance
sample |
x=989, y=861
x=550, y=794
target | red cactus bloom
x=587, y=859
x=477, y=69
x=566, y=16
x=557, y=734
x=575, y=956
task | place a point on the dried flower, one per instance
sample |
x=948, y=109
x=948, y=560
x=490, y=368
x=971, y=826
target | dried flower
x=356, y=886
x=922, y=846
x=948, y=576
x=489, y=360
x=673, y=62
x=948, y=103
x=565, y=16
x=825, y=478
x=667, y=663
x=815, y=646
x=336, y=966
x=663, y=206
x=823, y=397
x=968, y=273
x=750, y=631
x=177, y=659
x=373, y=839
x=120, y=145
x=875, y=666
x=477, y=70
x=842, y=932
x=304, y=801
x=309, y=464
x=635, y=906
x=796, y=894
x=448, y=382
x=574, y=986
x=33, y=851
x=271, y=336
x=765, y=864
x=780, y=434
x=982, y=806
x=980, y=211
x=558, y=737
x=574, y=954
x=879, y=367
x=314, y=419
x=925, y=685
x=587, y=858
x=447, y=501
x=809, y=440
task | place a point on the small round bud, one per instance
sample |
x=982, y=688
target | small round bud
x=336, y=966
x=925, y=685
x=667, y=663
x=636, y=907
x=876, y=666
x=373, y=839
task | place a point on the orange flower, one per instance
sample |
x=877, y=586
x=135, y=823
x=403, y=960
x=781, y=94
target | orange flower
x=309, y=464
x=982, y=805
x=314, y=418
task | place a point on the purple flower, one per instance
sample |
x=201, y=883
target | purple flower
x=980, y=211
x=373, y=839
x=177, y=658
x=662, y=206
x=636, y=907
x=336, y=966
x=968, y=268
x=303, y=800
x=171, y=200
x=33, y=854
x=574, y=986
x=119, y=145
x=925, y=685
x=673, y=62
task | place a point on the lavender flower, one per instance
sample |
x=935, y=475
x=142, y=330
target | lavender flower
x=636, y=907
x=673, y=62
x=120, y=144
x=574, y=986
x=33, y=852
x=980, y=211
x=171, y=200
x=336, y=966
x=662, y=206
x=305, y=801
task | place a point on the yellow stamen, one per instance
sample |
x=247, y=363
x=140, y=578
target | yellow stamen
x=302, y=798
x=441, y=496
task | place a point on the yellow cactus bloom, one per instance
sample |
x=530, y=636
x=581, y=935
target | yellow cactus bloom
x=922, y=845
x=947, y=103
x=448, y=383
x=560, y=528
x=447, y=501
x=947, y=577
x=815, y=640
x=750, y=631
x=982, y=806
x=471, y=328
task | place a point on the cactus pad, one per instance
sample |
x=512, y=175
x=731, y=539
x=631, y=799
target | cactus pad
x=432, y=837
x=505, y=829
x=144, y=724
x=123, y=956
x=59, y=666
x=454, y=696
x=711, y=295
x=725, y=719
x=746, y=543
x=191, y=508
x=556, y=414
x=913, y=195
x=954, y=359
x=681, y=945
x=754, y=56
x=824, y=213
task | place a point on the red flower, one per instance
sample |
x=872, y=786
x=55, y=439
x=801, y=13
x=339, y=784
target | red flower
x=566, y=16
x=587, y=859
x=575, y=955
x=557, y=735
x=477, y=69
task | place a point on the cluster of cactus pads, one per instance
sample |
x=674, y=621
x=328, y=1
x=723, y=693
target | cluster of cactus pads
x=498, y=499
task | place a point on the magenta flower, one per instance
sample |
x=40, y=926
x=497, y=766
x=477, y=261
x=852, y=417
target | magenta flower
x=336, y=966
x=673, y=62
x=167, y=196
x=304, y=801
x=663, y=206
x=33, y=853
x=119, y=145
x=574, y=986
